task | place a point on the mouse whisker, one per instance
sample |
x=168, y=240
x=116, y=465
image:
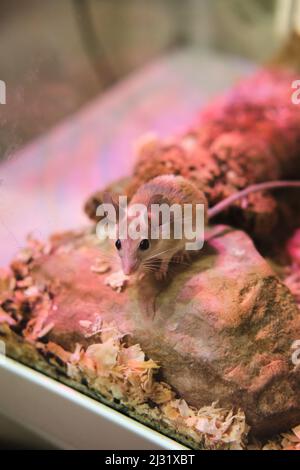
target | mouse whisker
x=153, y=263
x=149, y=269
x=158, y=254
x=152, y=266
x=181, y=262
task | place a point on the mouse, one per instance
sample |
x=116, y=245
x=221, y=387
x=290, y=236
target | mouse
x=147, y=254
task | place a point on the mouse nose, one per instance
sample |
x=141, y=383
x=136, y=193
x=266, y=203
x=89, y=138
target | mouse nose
x=129, y=268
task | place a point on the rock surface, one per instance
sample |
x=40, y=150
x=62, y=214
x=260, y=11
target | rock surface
x=221, y=328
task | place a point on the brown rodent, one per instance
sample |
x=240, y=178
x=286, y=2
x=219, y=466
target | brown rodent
x=148, y=254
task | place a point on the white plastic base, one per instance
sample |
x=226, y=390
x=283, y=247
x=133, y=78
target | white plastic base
x=68, y=419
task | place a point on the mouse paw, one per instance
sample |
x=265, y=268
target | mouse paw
x=183, y=257
x=161, y=274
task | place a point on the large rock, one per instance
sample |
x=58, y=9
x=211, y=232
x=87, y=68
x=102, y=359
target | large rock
x=221, y=328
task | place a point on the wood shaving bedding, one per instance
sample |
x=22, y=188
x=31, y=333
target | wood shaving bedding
x=117, y=281
x=100, y=266
x=113, y=371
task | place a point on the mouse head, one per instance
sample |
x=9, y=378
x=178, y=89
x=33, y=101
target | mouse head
x=135, y=246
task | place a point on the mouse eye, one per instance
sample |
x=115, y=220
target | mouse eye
x=144, y=245
x=118, y=244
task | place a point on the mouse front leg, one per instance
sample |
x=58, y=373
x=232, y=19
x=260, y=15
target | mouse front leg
x=183, y=257
x=161, y=274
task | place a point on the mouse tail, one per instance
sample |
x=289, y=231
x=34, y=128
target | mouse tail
x=223, y=205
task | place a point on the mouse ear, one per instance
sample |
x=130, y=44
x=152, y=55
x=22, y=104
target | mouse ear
x=157, y=199
x=113, y=200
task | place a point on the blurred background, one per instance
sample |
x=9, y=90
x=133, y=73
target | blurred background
x=58, y=55
x=55, y=55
